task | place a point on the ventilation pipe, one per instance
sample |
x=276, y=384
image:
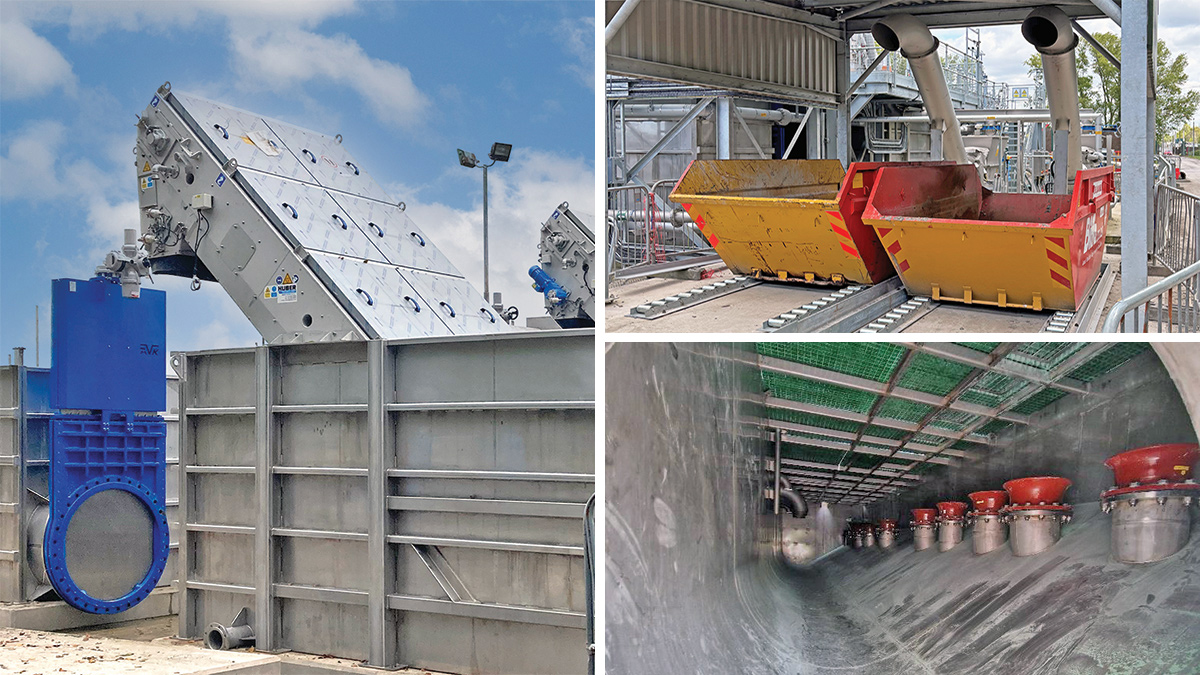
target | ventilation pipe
x=906, y=33
x=1048, y=29
x=791, y=499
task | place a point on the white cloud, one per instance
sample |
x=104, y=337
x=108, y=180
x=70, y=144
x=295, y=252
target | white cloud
x=28, y=167
x=578, y=38
x=281, y=59
x=33, y=169
x=29, y=65
x=521, y=197
x=90, y=20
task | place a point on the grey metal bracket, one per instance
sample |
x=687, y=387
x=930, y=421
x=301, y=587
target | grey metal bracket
x=444, y=573
x=674, y=303
x=1059, y=322
x=1087, y=318
x=843, y=310
x=898, y=318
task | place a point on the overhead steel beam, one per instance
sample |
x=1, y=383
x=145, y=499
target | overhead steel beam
x=1095, y=44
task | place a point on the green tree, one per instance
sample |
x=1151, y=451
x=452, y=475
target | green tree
x=1087, y=94
x=1173, y=104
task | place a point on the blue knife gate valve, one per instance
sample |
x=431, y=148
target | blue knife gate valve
x=107, y=538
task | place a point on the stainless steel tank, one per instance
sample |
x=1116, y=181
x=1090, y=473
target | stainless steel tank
x=950, y=533
x=887, y=538
x=1031, y=531
x=923, y=537
x=988, y=533
x=1149, y=526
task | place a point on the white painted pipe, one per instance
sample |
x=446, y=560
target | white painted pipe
x=912, y=37
x=1049, y=30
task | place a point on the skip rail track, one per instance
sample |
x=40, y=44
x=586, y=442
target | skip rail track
x=885, y=307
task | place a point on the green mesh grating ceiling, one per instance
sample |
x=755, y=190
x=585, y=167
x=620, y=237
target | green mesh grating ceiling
x=1109, y=360
x=812, y=453
x=906, y=411
x=954, y=420
x=993, y=389
x=873, y=361
x=1044, y=355
x=933, y=375
x=985, y=347
x=812, y=420
x=804, y=390
x=1017, y=385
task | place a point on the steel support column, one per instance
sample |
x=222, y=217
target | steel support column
x=187, y=457
x=381, y=624
x=1138, y=48
x=264, y=459
x=723, y=141
x=841, y=116
x=778, y=473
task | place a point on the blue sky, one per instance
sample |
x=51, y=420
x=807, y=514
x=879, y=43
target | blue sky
x=404, y=83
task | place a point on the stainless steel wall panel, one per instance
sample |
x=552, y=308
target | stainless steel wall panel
x=219, y=557
x=323, y=563
x=333, y=375
x=324, y=627
x=539, y=490
x=472, y=372
x=221, y=379
x=323, y=503
x=392, y=516
x=483, y=646
x=323, y=440
x=221, y=499
x=510, y=440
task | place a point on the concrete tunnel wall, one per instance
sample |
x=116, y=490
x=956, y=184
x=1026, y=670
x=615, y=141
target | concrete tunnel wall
x=1134, y=406
x=685, y=472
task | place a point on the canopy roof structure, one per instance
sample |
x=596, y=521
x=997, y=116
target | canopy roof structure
x=861, y=420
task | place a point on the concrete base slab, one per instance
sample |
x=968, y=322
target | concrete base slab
x=42, y=653
x=58, y=615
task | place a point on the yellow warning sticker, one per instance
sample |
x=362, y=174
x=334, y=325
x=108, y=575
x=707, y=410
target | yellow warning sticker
x=287, y=279
x=1182, y=469
x=146, y=166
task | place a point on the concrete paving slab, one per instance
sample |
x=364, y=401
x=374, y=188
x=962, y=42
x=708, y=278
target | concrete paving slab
x=58, y=615
x=31, y=652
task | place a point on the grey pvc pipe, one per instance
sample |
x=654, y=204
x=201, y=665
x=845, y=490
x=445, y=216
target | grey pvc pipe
x=1049, y=30
x=912, y=37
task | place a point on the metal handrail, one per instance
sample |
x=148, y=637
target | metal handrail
x=1181, y=310
x=1176, y=235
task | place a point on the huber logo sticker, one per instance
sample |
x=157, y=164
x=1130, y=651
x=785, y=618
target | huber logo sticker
x=284, y=288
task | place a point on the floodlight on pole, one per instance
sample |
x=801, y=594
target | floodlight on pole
x=500, y=152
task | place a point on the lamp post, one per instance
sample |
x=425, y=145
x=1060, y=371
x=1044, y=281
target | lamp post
x=500, y=152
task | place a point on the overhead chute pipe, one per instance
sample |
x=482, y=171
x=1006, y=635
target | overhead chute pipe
x=907, y=34
x=1049, y=30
